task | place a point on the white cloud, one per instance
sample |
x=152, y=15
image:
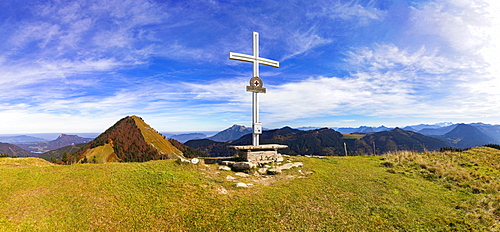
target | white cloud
x=303, y=42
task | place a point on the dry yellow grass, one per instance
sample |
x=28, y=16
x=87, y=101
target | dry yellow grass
x=101, y=154
x=158, y=141
x=24, y=162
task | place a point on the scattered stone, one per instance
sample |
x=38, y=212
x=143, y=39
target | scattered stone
x=262, y=170
x=195, y=161
x=225, y=168
x=273, y=171
x=242, y=166
x=228, y=177
x=241, y=174
x=286, y=166
x=222, y=190
x=241, y=185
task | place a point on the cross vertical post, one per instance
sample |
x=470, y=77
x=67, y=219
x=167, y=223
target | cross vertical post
x=255, y=97
x=255, y=83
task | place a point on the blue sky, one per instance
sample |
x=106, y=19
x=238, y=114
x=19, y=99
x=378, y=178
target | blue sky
x=79, y=66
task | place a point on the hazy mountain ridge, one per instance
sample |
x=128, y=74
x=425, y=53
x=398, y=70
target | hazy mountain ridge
x=466, y=136
x=20, y=139
x=186, y=137
x=61, y=141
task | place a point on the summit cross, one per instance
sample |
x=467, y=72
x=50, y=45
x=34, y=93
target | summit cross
x=255, y=83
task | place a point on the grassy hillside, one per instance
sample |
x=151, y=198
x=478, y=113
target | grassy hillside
x=363, y=193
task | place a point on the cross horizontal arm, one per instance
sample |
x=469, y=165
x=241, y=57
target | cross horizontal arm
x=249, y=58
x=242, y=57
x=269, y=62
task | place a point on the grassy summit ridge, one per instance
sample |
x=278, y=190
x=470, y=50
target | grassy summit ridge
x=363, y=193
x=152, y=137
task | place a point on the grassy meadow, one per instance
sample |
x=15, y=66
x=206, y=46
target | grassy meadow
x=397, y=192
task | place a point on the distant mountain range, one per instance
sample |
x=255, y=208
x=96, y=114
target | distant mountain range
x=61, y=141
x=186, y=137
x=301, y=141
x=229, y=134
x=20, y=139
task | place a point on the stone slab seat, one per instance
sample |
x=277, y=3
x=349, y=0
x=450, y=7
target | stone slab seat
x=260, y=154
x=259, y=147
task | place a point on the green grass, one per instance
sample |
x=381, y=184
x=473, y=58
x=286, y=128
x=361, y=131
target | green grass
x=353, y=136
x=331, y=194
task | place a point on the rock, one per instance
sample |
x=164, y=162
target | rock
x=241, y=185
x=286, y=166
x=241, y=174
x=225, y=168
x=228, y=177
x=242, y=166
x=262, y=170
x=273, y=171
x=298, y=164
x=222, y=190
x=227, y=163
x=290, y=165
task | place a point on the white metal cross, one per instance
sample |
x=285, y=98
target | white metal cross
x=256, y=60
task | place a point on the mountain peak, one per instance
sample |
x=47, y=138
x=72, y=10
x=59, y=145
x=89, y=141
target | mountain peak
x=231, y=133
x=465, y=136
x=130, y=139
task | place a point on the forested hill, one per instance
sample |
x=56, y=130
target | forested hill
x=129, y=140
x=13, y=150
x=329, y=142
x=394, y=140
